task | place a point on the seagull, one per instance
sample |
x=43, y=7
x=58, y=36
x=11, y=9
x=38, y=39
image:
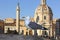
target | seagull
x=32, y=25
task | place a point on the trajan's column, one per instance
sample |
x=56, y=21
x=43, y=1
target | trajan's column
x=18, y=18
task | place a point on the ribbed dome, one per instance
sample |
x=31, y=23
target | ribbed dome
x=42, y=8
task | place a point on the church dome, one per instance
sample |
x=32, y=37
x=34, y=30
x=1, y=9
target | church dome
x=43, y=8
x=43, y=13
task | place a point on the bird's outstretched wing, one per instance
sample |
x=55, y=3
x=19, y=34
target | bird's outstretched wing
x=33, y=25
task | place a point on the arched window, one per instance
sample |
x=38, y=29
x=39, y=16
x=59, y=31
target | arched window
x=37, y=19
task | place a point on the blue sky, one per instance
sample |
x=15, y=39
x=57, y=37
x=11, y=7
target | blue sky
x=27, y=8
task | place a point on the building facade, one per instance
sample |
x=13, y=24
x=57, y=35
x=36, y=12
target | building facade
x=57, y=31
x=10, y=23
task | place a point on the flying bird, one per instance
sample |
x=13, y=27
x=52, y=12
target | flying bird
x=33, y=25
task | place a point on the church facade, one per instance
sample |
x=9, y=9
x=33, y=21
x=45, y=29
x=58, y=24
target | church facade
x=44, y=16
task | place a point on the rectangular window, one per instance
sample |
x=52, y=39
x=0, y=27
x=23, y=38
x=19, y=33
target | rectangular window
x=44, y=17
x=37, y=19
